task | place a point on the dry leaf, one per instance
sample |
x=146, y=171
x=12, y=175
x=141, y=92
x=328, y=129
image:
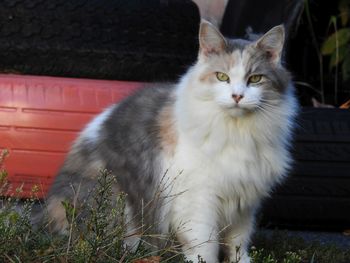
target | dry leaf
x=154, y=259
x=345, y=105
x=346, y=232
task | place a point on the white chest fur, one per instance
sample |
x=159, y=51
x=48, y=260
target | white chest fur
x=228, y=180
x=224, y=164
x=244, y=170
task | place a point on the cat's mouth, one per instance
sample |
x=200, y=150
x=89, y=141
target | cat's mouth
x=238, y=106
x=238, y=110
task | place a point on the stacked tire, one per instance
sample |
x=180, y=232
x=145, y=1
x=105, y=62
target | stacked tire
x=317, y=194
x=143, y=40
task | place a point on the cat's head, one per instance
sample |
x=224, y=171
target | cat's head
x=241, y=76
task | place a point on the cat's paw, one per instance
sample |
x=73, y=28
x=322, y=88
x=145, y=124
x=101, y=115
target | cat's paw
x=199, y=259
x=243, y=259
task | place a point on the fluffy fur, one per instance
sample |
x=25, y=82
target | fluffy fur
x=198, y=158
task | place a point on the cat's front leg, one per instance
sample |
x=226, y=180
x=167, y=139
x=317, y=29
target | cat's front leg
x=238, y=240
x=195, y=223
x=240, y=255
x=199, y=242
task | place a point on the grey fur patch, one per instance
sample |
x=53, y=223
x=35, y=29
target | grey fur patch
x=128, y=145
x=236, y=44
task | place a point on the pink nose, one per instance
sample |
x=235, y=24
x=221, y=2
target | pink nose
x=237, y=98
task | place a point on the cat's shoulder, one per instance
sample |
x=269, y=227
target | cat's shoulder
x=153, y=91
x=144, y=105
x=149, y=96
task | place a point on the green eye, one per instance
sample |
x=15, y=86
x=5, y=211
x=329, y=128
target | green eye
x=254, y=79
x=222, y=76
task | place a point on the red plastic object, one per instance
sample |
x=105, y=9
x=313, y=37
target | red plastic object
x=41, y=116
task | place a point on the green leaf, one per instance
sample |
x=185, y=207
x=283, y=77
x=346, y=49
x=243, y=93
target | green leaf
x=330, y=44
x=70, y=210
x=3, y=176
x=341, y=55
x=13, y=217
x=344, y=11
x=346, y=67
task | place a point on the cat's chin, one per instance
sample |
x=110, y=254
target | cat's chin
x=238, y=111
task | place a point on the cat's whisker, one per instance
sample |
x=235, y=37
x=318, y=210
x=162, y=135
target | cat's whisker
x=268, y=113
x=276, y=102
x=269, y=106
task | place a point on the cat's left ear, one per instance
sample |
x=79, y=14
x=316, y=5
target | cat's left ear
x=211, y=41
x=272, y=43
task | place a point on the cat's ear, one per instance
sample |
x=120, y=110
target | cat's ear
x=210, y=39
x=272, y=43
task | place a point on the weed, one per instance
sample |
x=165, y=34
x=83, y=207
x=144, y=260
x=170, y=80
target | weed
x=97, y=231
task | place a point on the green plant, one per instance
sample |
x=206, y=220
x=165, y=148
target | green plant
x=337, y=44
x=284, y=248
x=292, y=257
x=97, y=230
x=334, y=48
x=3, y=172
x=261, y=256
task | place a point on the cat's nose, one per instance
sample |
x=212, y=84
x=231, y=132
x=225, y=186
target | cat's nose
x=237, y=98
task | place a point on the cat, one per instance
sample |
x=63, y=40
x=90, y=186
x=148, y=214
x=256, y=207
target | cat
x=210, y=147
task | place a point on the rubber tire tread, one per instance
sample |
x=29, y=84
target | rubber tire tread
x=317, y=194
x=138, y=40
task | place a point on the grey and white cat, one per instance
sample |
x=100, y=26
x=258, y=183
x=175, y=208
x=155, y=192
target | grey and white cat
x=216, y=143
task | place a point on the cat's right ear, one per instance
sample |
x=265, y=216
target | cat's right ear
x=211, y=41
x=272, y=43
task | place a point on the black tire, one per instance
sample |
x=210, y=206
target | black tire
x=143, y=40
x=317, y=194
